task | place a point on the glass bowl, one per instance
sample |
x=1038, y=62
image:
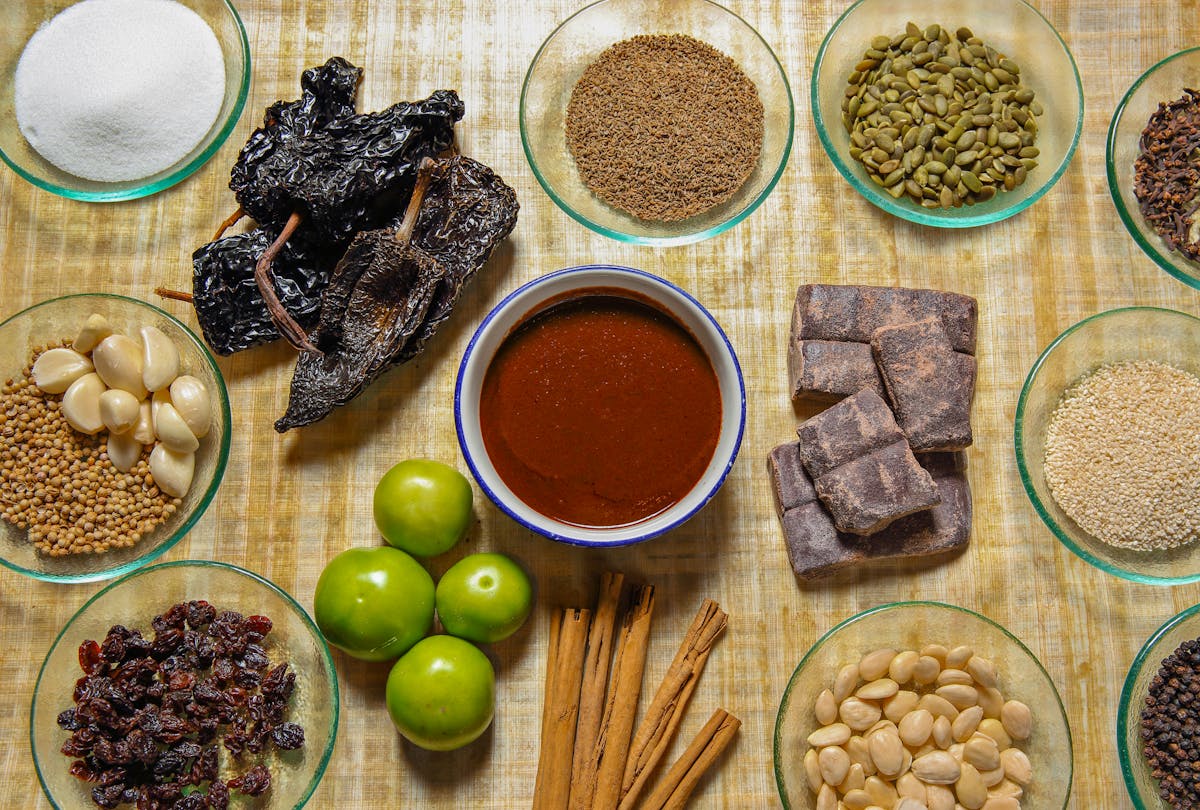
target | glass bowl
x=557, y=286
x=1142, y=787
x=910, y=626
x=1165, y=81
x=1132, y=333
x=19, y=20
x=140, y=596
x=578, y=41
x=61, y=318
x=1012, y=27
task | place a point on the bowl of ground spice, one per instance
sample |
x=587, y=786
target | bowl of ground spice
x=106, y=100
x=944, y=705
x=947, y=113
x=114, y=436
x=658, y=123
x=188, y=678
x=1154, y=165
x=1107, y=437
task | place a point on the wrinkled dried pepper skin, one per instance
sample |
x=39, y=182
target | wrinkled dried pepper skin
x=228, y=305
x=467, y=211
x=320, y=158
x=376, y=299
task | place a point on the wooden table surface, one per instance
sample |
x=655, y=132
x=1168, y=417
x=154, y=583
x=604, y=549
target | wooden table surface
x=289, y=503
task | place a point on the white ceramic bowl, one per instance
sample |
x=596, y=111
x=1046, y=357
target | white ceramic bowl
x=512, y=310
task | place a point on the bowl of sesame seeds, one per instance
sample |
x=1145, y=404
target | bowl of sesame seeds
x=68, y=511
x=1107, y=439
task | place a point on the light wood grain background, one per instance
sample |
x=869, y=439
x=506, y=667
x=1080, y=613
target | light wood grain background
x=290, y=503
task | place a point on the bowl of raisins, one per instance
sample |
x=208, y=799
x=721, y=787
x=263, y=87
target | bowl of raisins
x=185, y=684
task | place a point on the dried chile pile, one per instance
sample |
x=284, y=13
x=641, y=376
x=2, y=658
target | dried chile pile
x=1167, y=173
x=1171, y=727
x=150, y=713
x=316, y=177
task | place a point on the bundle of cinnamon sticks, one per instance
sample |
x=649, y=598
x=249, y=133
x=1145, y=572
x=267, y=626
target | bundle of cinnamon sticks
x=591, y=758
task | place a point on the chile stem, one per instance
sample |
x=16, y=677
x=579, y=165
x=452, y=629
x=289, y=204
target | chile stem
x=292, y=332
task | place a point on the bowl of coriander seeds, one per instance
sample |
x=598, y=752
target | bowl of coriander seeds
x=114, y=436
x=944, y=112
x=1107, y=439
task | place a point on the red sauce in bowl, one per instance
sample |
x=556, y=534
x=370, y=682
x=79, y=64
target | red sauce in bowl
x=600, y=410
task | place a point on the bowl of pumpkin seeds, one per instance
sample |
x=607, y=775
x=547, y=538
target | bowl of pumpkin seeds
x=946, y=112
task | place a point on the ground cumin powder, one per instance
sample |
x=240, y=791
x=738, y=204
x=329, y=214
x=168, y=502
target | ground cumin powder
x=664, y=127
x=1122, y=455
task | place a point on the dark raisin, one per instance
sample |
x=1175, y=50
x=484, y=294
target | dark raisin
x=200, y=614
x=107, y=795
x=67, y=721
x=288, y=736
x=194, y=801
x=218, y=796
x=166, y=642
x=258, y=624
x=89, y=658
x=80, y=770
x=253, y=782
x=169, y=763
x=173, y=618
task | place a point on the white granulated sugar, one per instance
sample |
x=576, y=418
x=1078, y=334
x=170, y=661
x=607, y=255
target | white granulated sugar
x=116, y=90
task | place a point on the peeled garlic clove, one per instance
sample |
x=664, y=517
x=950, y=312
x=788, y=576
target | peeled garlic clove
x=143, y=431
x=81, y=404
x=161, y=396
x=172, y=471
x=56, y=369
x=118, y=410
x=118, y=361
x=123, y=450
x=160, y=358
x=190, y=398
x=95, y=329
x=172, y=431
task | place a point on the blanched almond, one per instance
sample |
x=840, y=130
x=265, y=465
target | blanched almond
x=940, y=797
x=943, y=732
x=916, y=727
x=1016, y=766
x=982, y=752
x=954, y=676
x=970, y=789
x=995, y=729
x=882, y=793
x=834, y=763
x=832, y=734
x=960, y=695
x=878, y=689
x=160, y=358
x=901, y=668
x=926, y=670
x=855, y=779
x=982, y=670
x=937, y=768
x=910, y=787
x=56, y=369
x=812, y=769
x=81, y=404
x=825, y=709
x=966, y=723
x=900, y=704
x=845, y=682
x=875, y=663
x=1017, y=719
x=859, y=714
x=887, y=752
x=958, y=657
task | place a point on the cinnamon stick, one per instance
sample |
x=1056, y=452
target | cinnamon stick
x=707, y=746
x=662, y=718
x=552, y=788
x=620, y=709
x=592, y=691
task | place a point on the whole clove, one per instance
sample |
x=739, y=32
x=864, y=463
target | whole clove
x=1167, y=173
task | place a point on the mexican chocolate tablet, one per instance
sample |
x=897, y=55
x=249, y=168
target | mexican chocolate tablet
x=600, y=410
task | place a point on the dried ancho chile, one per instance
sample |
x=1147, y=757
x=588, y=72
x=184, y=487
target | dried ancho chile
x=328, y=188
x=393, y=288
x=150, y=713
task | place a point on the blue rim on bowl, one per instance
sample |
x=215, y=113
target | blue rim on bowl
x=1002, y=206
x=665, y=234
x=227, y=118
x=1126, y=204
x=204, y=500
x=785, y=717
x=1120, y=565
x=1158, y=646
x=298, y=611
x=725, y=454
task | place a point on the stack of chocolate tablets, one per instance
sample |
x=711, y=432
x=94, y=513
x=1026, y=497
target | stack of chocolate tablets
x=881, y=473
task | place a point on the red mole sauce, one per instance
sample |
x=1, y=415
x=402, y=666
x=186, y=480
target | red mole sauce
x=600, y=410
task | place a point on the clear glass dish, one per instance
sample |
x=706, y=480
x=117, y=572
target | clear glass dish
x=1165, y=81
x=61, y=318
x=1142, y=787
x=18, y=21
x=911, y=625
x=1132, y=333
x=136, y=599
x=1013, y=27
x=578, y=41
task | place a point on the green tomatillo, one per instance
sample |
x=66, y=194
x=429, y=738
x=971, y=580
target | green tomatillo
x=423, y=506
x=374, y=603
x=441, y=694
x=484, y=597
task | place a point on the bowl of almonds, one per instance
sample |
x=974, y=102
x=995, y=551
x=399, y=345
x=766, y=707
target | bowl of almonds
x=947, y=113
x=922, y=705
x=114, y=435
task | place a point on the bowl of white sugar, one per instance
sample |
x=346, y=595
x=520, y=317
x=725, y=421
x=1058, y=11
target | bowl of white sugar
x=107, y=100
x=1107, y=437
